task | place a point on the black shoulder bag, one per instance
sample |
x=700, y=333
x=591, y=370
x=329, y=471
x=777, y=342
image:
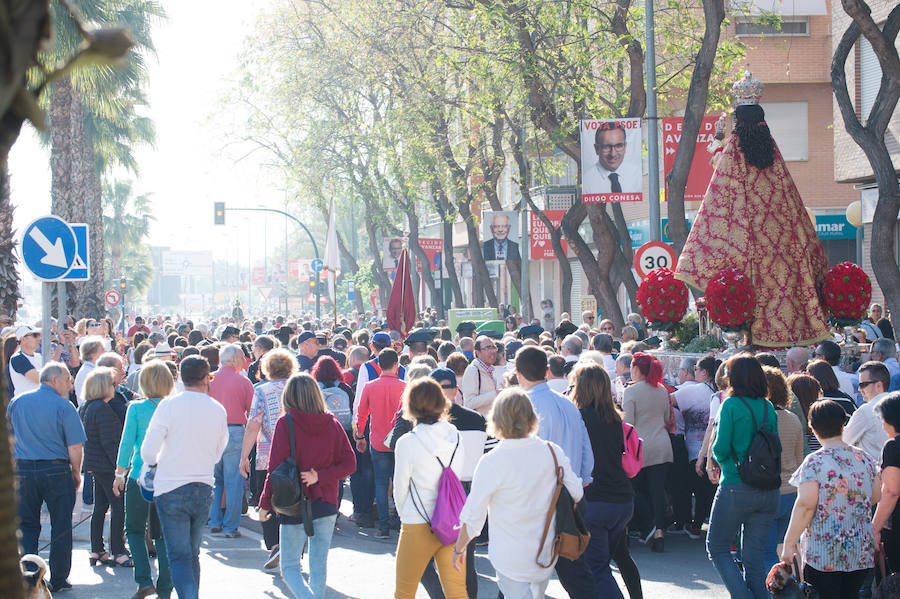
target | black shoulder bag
x=288, y=496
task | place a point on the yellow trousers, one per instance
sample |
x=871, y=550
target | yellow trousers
x=415, y=549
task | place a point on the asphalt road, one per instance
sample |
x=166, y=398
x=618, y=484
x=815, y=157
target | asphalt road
x=362, y=567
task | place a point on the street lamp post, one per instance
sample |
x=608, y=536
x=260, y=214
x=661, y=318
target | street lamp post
x=220, y=219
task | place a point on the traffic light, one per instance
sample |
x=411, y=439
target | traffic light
x=219, y=217
x=122, y=283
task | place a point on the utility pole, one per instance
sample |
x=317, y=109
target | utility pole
x=220, y=220
x=652, y=131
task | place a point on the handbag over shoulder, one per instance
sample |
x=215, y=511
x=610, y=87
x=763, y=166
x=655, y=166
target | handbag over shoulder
x=572, y=537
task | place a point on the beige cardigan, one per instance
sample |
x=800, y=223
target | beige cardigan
x=647, y=409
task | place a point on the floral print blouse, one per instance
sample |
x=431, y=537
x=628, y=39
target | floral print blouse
x=839, y=537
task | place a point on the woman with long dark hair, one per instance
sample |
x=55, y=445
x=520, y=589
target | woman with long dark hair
x=324, y=457
x=753, y=218
x=739, y=507
x=610, y=498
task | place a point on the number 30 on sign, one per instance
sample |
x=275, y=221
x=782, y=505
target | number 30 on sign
x=653, y=255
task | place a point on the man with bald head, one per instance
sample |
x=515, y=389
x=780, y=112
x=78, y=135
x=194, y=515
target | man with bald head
x=796, y=360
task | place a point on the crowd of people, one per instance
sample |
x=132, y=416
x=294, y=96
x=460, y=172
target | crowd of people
x=176, y=428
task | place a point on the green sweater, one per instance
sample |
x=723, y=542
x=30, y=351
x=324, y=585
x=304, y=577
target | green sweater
x=736, y=431
x=137, y=419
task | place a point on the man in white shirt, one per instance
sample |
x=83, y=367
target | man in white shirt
x=603, y=343
x=556, y=374
x=570, y=348
x=612, y=173
x=864, y=429
x=185, y=439
x=25, y=364
x=479, y=388
x=90, y=349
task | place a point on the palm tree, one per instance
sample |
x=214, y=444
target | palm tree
x=126, y=221
x=94, y=126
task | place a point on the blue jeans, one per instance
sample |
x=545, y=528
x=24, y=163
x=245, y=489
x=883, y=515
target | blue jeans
x=383, y=466
x=182, y=514
x=606, y=523
x=230, y=481
x=779, y=529
x=362, y=483
x=42, y=482
x=739, y=508
x=293, y=537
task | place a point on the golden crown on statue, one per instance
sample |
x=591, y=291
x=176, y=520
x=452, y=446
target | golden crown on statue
x=747, y=91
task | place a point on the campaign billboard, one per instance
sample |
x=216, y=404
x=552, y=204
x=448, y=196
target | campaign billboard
x=391, y=248
x=611, y=161
x=541, y=244
x=500, y=235
x=433, y=247
x=701, y=166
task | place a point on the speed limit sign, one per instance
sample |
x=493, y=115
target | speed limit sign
x=653, y=255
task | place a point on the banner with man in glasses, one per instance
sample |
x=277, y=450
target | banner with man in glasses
x=611, y=161
x=500, y=232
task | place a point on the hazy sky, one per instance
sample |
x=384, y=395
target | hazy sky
x=189, y=168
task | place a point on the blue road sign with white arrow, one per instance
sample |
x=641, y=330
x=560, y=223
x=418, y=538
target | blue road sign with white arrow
x=81, y=270
x=316, y=265
x=49, y=248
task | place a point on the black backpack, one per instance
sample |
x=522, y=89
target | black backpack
x=761, y=469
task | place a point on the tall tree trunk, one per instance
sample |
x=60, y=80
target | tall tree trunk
x=714, y=13
x=479, y=267
x=416, y=248
x=25, y=26
x=596, y=269
x=75, y=191
x=381, y=278
x=444, y=209
x=11, y=585
x=9, y=276
x=871, y=136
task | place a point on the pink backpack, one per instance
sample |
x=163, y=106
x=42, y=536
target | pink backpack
x=451, y=496
x=632, y=457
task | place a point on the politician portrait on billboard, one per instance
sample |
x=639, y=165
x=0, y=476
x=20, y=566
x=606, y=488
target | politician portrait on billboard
x=611, y=160
x=391, y=249
x=500, y=232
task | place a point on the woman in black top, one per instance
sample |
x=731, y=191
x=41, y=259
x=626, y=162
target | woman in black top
x=888, y=510
x=609, y=497
x=103, y=429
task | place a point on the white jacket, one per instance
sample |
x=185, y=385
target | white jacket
x=415, y=459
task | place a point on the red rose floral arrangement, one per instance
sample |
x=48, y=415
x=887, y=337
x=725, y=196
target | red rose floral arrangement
x=663, y=299
x=848, y=291
x=730, y=299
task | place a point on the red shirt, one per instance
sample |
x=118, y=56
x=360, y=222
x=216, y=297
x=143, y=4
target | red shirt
x=234, y=392
x=380, y=399
x=137, y=328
